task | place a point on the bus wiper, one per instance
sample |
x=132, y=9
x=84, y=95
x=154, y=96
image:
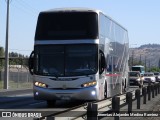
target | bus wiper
x=83, y=72
x=54, y=74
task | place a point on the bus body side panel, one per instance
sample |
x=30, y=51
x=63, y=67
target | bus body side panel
x=114, y=43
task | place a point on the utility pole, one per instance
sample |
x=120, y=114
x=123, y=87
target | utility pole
x=140, y=61
x=6, y=73
x=145, y=63
x=159, y=63
x=149, y=66
x=132, y=62
x=132, y=57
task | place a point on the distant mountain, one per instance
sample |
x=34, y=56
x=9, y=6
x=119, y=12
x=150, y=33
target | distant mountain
x=150, y=46
x=148, y=52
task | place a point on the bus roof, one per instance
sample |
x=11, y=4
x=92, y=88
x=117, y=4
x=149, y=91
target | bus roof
x=71, y=9
x=81, y=9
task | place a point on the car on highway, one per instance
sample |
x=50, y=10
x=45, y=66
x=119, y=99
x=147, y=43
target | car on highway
x=136, y=78
x=157, y=76
x=149, y=77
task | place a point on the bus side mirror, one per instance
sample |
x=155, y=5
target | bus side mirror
x=31, y=62
x=102, y=63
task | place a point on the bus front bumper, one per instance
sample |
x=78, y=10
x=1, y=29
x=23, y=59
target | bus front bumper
x=89, y=93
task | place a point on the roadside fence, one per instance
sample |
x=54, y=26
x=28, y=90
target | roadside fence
x=19, y=77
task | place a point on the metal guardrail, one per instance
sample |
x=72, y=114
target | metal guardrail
x=90, y=111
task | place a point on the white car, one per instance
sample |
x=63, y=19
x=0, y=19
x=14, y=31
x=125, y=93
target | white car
x=149, y=77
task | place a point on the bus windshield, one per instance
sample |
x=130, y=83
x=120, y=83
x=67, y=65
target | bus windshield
x=66, y=60
x=67, y=26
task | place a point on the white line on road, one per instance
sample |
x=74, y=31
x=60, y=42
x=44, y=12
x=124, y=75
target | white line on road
x=22, y=95
x=36, y=103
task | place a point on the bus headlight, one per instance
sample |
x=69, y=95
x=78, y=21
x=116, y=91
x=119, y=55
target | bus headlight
x=39, y=84
x=92, y=83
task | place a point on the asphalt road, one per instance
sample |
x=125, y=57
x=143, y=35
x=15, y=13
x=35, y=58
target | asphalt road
x=25, y=102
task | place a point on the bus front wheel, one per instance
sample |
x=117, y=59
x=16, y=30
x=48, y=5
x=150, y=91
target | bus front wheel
x=105, y=90
x=123, y=88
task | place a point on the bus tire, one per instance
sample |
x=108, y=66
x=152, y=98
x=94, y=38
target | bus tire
x=105, y=90
x=123, y=86
x=51, y=103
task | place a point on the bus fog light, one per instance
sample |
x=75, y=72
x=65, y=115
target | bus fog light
x=93, y=93
x=37, y=93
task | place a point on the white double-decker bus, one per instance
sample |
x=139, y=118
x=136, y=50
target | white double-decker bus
x=79, y=54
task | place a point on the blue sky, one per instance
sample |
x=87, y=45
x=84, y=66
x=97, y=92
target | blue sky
x=140, y=17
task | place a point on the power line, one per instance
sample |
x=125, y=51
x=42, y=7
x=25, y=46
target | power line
x=19, y=50
x=22, y=8
x=29, y=6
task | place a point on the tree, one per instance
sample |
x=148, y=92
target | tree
x=159, y=63
x=1, y=52
x=1, y=55
x=154, y=69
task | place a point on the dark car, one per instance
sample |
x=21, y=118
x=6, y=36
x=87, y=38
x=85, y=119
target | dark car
x=135, y=78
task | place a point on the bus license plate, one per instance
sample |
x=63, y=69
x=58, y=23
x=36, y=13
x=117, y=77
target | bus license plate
x=65, y=97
